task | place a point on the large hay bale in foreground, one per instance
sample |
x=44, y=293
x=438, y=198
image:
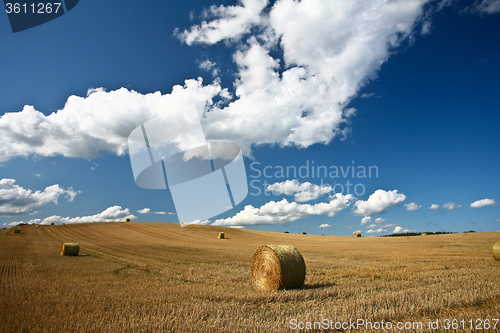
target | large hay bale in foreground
x=357, y=234
x=496, y=251
x=276, y=267
x=220, y=235
x=70, y=249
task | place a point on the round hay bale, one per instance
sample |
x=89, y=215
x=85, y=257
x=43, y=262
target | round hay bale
x=357, y=234
x=496, y=251
x=70, y=249
x=37, y=226
x=220, y=235
x=127, y=220
x=303, y=233
x=17, y=230
x=52, y=223
x=277, y=267
x=423, y=234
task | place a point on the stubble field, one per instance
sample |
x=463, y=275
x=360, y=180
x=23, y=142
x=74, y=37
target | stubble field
x=159, y=277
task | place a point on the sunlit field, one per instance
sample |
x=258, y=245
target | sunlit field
x=159, y=277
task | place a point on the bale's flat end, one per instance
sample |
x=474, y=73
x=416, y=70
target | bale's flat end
x=496, y=251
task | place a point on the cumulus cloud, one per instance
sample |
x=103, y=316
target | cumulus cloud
x=483, y=203
x=451, y=206
x=378, y=229
x=16, y=200
x=148, y=211
x=434, y=207
x=302, y=191
x=379, y=202
x=365, y=220
x=399, y=230
x=412, y=206
x=330, y=49
x=110, y=214
x=325, y=225
x=283, y=212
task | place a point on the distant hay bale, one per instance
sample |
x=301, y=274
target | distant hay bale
x=70, y=249
x=423, y=234
x=220, y=235
x=17, y=230
x=496, y=251
x=37, y=226
x=127, y=220
x=52, y=223
x=277, y=267
x=303, y=233
x=357, y=234
x=64, y=223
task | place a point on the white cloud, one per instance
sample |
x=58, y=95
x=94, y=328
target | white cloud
x=365, y=220
x=303, y=191
x=379, y=220
x=434, y=207
x=483, y=203
x=325, y=225
x=485, y=6
x=399, y=230
x=412, y=206
x=237, y=227
x=148, y=211
x=330, y=50
x=379, y=202
x=15, y=200
x=451, y=206
x=367, y=95
x=377, y=229
x=283, y=212
x=110, y=214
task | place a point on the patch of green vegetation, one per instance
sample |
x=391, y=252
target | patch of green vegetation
x=418, y=234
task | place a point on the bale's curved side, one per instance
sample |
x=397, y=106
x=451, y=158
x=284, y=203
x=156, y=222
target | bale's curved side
x=220, y=235
x=496, y=251
x=276, y=267
x=423, y=234
x=70, y=249
x=357, y=234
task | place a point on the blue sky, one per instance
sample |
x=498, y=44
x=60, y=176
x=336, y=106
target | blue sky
x=409, y=88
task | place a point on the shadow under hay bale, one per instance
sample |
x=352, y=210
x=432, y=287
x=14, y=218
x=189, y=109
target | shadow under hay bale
x=70, y=249
x=496, y=251
x=357, y=234
x=277, y=267
x=220, y=235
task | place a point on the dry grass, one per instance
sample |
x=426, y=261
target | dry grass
x=153, y=277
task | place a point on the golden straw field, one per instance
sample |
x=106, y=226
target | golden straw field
x=159, y=277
